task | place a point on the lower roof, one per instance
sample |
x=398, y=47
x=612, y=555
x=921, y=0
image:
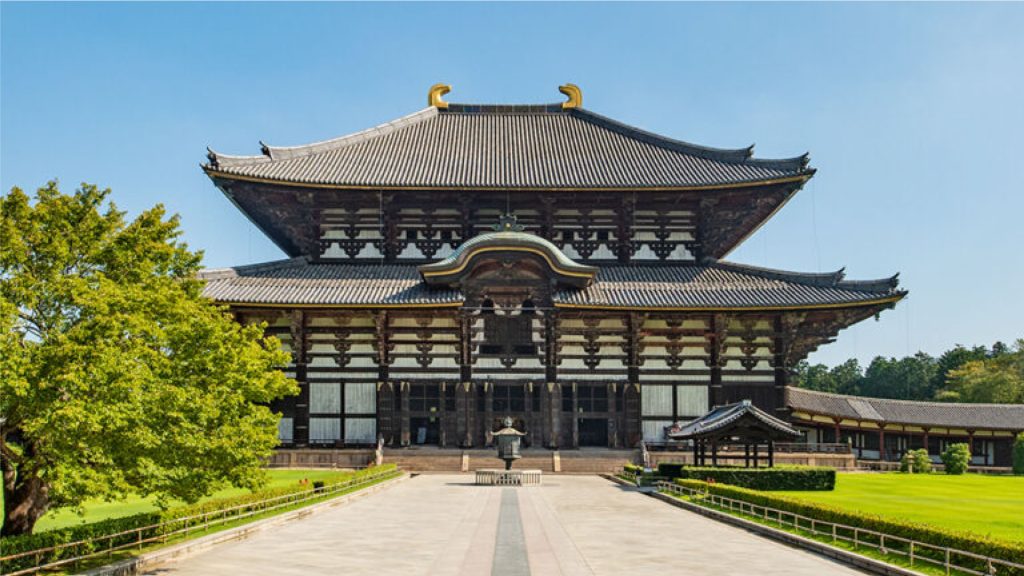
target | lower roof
x=928, y=414
x=720, y=285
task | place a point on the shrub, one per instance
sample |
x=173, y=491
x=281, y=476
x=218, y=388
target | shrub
x=633, y=469
x=1018, y=454
x=173, y=519
x=956, y=458
x=976, y=544
x=779, y=478
x=916, y=461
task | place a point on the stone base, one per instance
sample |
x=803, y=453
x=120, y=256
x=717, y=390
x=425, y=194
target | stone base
x=508, y=477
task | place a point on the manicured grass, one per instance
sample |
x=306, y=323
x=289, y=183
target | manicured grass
x=989, y=505
x=99, y=510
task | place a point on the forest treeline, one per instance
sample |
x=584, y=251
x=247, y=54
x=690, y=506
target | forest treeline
x=961, y=374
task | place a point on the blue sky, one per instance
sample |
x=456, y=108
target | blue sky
x=913, y=114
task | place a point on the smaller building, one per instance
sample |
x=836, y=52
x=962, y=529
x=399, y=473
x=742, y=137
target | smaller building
x=882, y=429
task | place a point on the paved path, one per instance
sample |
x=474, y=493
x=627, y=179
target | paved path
x=442, y=524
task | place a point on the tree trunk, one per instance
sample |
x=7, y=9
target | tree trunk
x=25, y=501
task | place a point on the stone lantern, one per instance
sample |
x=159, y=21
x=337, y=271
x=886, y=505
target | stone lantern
x=508, y=440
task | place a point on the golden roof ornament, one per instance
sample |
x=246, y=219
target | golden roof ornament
x=575, y=96
x=435, y=93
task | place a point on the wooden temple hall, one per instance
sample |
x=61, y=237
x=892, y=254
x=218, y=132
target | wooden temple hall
x=469, y=262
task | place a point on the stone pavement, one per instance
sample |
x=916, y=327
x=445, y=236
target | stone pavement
x=443, y=524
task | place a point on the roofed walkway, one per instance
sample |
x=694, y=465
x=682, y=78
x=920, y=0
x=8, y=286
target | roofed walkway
x=442, y=524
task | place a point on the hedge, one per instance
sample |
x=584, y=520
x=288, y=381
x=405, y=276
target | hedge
x=16, y=544
x=779, y=478
x=956, y=458
x=978, y=544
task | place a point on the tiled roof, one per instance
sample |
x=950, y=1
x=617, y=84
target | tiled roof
x=506, y=147
x=936, y=414
x=721, y=284
x=297, y=281
x=721, y=419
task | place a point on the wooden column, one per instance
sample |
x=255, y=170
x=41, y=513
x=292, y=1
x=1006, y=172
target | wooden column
x=488, y=412
x=297, y=328
x=442, y=415
x=771, y=453
x=613, y=429
x=403, y=411
x=881, y=442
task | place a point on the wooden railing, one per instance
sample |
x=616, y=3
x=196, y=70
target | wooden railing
x=812, y=447
x=164, y=531
x=950, y=560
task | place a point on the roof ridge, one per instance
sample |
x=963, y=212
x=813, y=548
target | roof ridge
x=730, y=155
x=835, y=279
x=273, y=153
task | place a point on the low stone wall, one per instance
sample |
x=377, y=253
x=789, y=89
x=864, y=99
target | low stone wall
x=315, y=458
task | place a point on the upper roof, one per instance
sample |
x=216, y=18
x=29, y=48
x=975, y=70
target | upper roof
x=937, y=414
x=719, y=285
x=725, y=419
x=529, y=147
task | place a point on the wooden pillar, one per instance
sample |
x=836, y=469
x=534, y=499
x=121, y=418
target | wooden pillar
x=714, y=453
x=925, y=439
x=839, y=433
x=746, y=455
x=613, y=432
x=556, y=415
x=696, y=452
x=716, y=347
x=757, y=457
x=297, y=328
x=575, y=417
x=442, y=424
x=488, y=413
x=403, y=411
x=881, y=443
x=771, y=453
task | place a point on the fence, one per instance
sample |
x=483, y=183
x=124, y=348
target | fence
x=509, y=477
x=107, y=544
x=951, y=560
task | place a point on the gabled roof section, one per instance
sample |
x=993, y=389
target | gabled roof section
x=528, y=147
x=508, y=240
x=722, y=420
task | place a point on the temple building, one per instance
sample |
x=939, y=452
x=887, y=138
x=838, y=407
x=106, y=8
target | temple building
x=470, y=262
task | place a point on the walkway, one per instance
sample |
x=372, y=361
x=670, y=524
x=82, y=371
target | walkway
x=442, y=524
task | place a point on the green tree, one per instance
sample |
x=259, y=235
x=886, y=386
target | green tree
x=956, y=458
x=999, y=379
x=117, y=376
x=953, y=359
x=907, y=378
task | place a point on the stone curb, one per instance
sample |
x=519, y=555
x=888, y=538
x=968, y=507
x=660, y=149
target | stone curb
x=838, y=554
x=138, y=564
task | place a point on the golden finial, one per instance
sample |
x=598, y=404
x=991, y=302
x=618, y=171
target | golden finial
x=575, y=96
x=434, y=96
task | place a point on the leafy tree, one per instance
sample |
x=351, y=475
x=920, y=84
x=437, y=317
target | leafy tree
x=955, y=358
x=999, y=379
x=956, y=458
x=116, y=375
x=908, y=378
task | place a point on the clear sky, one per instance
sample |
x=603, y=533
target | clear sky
x=913, y=114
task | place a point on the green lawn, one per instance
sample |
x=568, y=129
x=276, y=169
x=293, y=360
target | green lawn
x=99, y=510
x=992, y=505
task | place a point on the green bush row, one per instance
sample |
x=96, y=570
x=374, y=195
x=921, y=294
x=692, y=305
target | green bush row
x=978, y=544
x=778, y=478
x=172, y=519
x=633, y=469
